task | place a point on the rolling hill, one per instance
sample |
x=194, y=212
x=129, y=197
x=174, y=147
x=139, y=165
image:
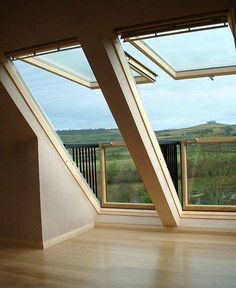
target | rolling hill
x=209, y=129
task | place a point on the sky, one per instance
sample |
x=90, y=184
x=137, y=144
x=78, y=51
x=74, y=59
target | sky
x=168, y=103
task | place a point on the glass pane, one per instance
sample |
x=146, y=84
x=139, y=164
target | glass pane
x=123, y=181
x=73, y=61
x=69, y=106
x=211, y=174
x=79, y=116
x=189, y=109
x=196, y=50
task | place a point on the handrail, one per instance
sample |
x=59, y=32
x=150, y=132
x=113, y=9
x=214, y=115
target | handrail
x=81, y=145
x=211, y=140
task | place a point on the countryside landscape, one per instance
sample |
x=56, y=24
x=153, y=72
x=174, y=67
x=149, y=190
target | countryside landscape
x=209, y=129
x=211, y=167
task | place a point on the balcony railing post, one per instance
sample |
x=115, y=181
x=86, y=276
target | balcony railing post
x=103, y=174
x=184, y=173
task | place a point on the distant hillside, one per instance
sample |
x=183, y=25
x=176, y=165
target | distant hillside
x=203, y=130
x=89, y=136
x=210, y=129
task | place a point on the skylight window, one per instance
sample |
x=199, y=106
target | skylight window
x=188, y=49
x=203, y=49
x=73, y=61
x=73, y=65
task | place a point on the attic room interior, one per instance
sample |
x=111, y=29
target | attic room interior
x=134, y=203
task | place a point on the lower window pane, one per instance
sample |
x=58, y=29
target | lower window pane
x=124, y=184
x=211, y=174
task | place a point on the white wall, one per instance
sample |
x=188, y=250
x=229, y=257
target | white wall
x=63, y=206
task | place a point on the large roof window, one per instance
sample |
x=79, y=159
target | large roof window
x=71, y=63
x=202, y=49
x=198, y=47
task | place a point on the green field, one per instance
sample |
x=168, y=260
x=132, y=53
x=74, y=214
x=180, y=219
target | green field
x=211, y=168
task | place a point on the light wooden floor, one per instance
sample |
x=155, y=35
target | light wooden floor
x=121, y=258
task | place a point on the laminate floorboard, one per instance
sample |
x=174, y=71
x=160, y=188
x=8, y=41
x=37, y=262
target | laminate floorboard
x=123, y=258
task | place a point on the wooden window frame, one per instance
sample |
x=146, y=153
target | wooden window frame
x=105, y=203
x=184, y=166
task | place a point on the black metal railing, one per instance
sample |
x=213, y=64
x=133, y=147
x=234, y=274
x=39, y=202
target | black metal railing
x=169, y=150
x=85, y=158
